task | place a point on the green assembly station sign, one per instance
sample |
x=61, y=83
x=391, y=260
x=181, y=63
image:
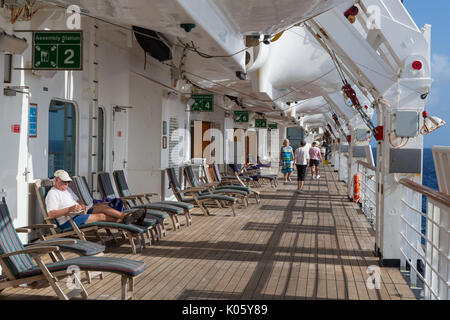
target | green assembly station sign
x=58, y=50
x=273, y=126
x=260, y=123
x=203, y=102
x=241, y=116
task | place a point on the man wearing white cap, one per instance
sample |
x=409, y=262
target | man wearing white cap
x=61, y=200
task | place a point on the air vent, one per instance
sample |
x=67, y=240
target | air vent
x=152, y=43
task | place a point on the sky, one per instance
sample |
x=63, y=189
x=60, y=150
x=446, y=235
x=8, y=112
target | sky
x=436, y=13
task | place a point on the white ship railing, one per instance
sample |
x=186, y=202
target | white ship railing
x=429, y=264
x=368, y=192
x=343, y=170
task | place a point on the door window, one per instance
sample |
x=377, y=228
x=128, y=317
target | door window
x=61, y=135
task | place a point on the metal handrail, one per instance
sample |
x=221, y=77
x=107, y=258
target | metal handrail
x=366, y=165
x=435, y=253
x=437, y=196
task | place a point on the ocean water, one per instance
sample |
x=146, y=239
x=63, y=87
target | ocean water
x=429, y=178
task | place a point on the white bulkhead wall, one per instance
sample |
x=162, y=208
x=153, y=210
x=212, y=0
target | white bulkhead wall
x=120, y=61
x=32, y=155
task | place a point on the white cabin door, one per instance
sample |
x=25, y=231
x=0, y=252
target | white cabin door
x=120, y=139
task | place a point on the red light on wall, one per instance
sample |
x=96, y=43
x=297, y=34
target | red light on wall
x=351, y=13
x=15, y=128
x=119, y=133
x=417, y=65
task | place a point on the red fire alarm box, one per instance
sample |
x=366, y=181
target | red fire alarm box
x=15, y=128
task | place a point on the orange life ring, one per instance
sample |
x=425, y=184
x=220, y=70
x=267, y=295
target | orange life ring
x=356, y=186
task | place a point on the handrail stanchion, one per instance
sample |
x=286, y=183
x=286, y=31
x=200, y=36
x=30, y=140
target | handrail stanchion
x=429, y=264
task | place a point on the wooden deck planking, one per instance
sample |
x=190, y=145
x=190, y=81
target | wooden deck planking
x=312, y=246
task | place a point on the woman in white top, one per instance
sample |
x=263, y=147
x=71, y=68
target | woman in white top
x=301, y=162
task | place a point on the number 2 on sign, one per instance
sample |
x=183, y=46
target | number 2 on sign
x=71, y=54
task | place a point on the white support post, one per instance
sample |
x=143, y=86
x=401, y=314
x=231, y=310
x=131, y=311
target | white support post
x=93, y=106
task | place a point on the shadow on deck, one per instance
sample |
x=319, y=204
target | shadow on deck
x=312, y=246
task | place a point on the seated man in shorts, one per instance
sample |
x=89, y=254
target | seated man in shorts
x=61, y=200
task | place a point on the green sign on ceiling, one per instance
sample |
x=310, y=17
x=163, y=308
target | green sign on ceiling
x=203, y=102
x=58, y=50
x=260, y=123
x=241, y=116
x=273, y=126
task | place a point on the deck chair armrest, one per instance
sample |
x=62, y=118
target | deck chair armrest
x=145, y=195
x=68, y=215
x=35, y=250
x=29, y=229
x=193, y=190
x=53, y=244
x=151, y=194
x=209, y=185
x=133, y=197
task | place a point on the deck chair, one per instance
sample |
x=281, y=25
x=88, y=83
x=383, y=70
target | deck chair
x=81, y=188
x=146, y=198
x=78, y=247
x=200, y=201
x=254, y=175
x=235, y=179
x=211, y=178
x=210, y=188
x=24, y=265
x=130, y=230
x=107, y=190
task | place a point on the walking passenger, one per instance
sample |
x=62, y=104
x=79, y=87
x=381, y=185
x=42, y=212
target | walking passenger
x=315, y=157
x=301, y=161
x=287, y=161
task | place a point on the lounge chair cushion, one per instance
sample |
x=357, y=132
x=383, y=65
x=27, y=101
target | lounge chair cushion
x=217, y=197
x=183, y=205
x=213, y=197
x=107, y=264
x=157, y=214
x=149, y=222
x=121, y=226
x=235, y=187
x=81, y=247
x=230, y=191
x=163, y=207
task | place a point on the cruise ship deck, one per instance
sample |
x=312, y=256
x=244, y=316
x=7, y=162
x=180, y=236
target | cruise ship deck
x=318, y=245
